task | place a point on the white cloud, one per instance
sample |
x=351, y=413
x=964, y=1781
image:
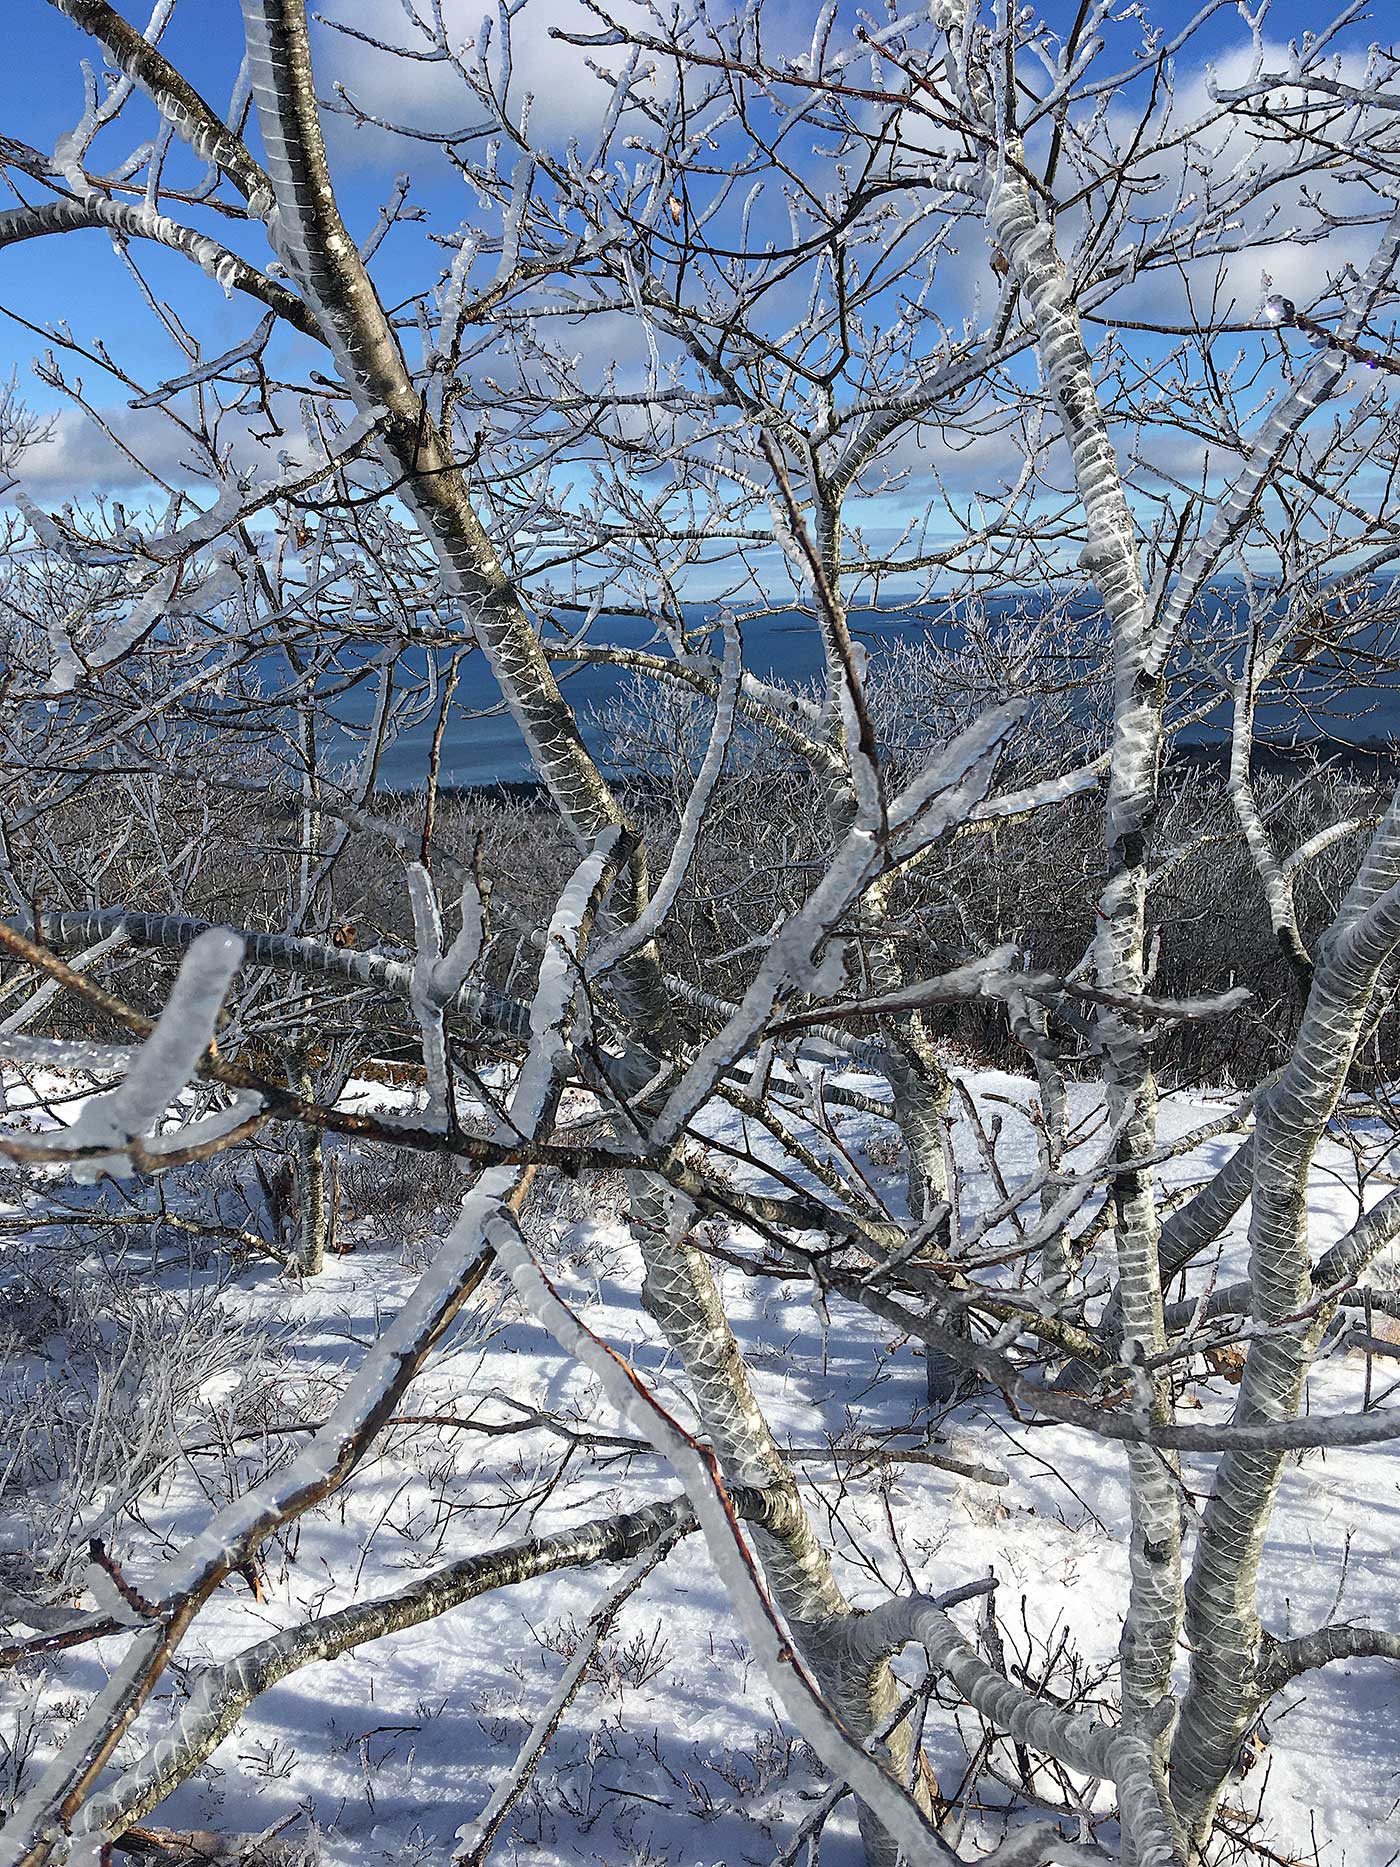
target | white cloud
x=1222, y=153
x=568, y=98
x=75, y=459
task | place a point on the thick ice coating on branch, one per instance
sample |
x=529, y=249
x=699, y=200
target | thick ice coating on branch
x=164, y=1065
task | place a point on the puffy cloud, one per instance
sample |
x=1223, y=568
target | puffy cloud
x=1219, y=152
x=74, y=459
x=568, y=98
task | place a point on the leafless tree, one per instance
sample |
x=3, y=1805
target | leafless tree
x=958, y=313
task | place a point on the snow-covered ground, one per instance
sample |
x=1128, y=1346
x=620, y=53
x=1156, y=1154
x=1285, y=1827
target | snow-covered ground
x=674, y=1750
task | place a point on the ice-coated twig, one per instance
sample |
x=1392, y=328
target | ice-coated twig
x=996, y=975
x=135, y=220
x=698, y=1472
x=1322, y=378
x=286, y=952
x=438, y=978
x=609, y=953
x=935, y=802
x=145, y=614
x=138, y=59
x=49, y=990
x=162, y=1068
x=245, y=352
x=475, y=1838
x=221, y=1692
x=1077, y=1741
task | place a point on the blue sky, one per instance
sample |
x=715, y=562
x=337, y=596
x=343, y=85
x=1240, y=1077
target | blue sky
x=79, y=278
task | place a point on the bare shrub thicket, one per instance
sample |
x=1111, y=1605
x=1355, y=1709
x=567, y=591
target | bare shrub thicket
x=107, y=1375
x=1016, y=884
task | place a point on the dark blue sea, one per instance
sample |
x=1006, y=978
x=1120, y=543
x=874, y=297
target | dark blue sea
x=483, y=747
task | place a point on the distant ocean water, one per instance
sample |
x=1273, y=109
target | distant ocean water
x=488, y=750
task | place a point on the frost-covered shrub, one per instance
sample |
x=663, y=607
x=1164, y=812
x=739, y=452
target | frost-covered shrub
x=105, y=1377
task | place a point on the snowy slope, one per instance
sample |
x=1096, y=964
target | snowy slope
x=673, y=1751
